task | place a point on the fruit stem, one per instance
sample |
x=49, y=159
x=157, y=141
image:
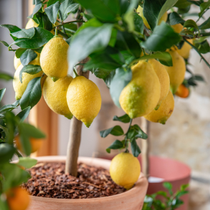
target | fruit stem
x=126, y=138
x=56, y=31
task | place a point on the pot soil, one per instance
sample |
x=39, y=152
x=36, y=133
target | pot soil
x=92, y=189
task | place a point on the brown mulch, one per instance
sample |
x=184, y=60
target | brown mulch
x=49, y=180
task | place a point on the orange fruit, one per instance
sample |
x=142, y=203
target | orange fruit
x=35, y=144
x=182, y=91
x=18, y=198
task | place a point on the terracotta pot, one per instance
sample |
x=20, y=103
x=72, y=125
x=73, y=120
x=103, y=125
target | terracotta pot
x=172, y=171
x=132, y=199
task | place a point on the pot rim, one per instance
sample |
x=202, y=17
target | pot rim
x=134, y=190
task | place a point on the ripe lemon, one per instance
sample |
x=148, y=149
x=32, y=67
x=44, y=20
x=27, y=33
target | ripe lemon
x=84, y=99
x=55, y=95
x=125, y=170
x=142, y=93
x=185, y=49
x=140, y=13
x=18, y=199
x=164, y=112
x=17, y=62
x=177, y=71
x=31, y=23
x=35, y=144
x=53, y=58
x=163, y=78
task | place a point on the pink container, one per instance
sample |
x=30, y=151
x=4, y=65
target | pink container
x=172, y=171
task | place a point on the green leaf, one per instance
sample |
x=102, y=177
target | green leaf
x=205, y=25
x=24, y=33
x=11, y=28
x=52, y=12
x=4, y=43
x=2, y=92
x=168, y=186
x=203, y=8
x=125, y=118
x=127, y=42
x=26, y=162
x=27, y=56
x=31, y=131
x=19, y=52
x=138, y=23
x=8, y=107
x=119, y=81
x=157, y=40
x=50, y=2
x=3, y=204
x=203, y=47
x=30, y=69
x=37, y=8
x=174, y=18
x=163, y=57
x=191, y=24
x=181, y=193
x=87, y=41
x=154, y=10
x=135, y=148
x=40, y=38
x=115, y=131
x=139, y=132
x=24, y=113
x=32, y=94
x=105, y=10
x=67, y=7
x=115, y=145
x=5, y=76
x=6, y=152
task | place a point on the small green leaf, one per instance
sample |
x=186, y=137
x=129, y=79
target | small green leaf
x=168, y=186
x=125, y=118
x=32, y=94
x=6, y=152
x=157, y=40
x=140, y=132
x=67, y=7
x=117, y=144
x=115, y=131
x=27, y=56
x=24, y=113
x=19, y=52
x=2, y=92
x=87, y=41
x=52, y=12
x=135, y=148
x=37, y=8
x=4, y=43
x=5, y=76
x=119, y=81
x=11, y=28
x=205, y=25
x=8, y=107
x=24, y=33
x=191, y=24
x=174, y=18
x=138, y=23
x=30, y=69
x=40, y=38
x=203, y=8
x=26, y=162
x=203, y=47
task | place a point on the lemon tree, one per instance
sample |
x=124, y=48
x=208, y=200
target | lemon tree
x=117, y=44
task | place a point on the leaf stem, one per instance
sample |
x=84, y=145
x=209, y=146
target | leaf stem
x=126, y=138
x=74, y=21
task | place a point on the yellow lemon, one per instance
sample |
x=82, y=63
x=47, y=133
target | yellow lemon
x=177, y=27
x=19, y=87
x=177, y=71
x=31, y=23
x=142, y=93
x=164, y=112
x=84, y=99
x=163, y=78
x=17, y=62
x=125, y=170
x=140, y=13
x=55, y=95
x=53, y=58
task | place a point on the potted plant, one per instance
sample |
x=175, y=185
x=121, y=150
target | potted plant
x=114, y=42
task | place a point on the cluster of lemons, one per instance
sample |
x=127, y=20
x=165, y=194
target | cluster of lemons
x=79, y=96
x=150, y=94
